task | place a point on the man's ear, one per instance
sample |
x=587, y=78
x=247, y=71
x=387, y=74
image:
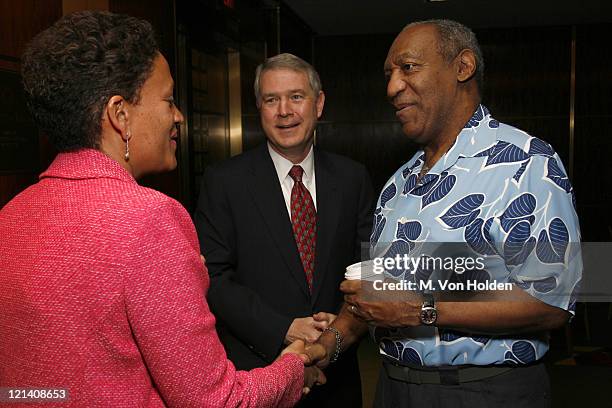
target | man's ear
x=466, y=65
x=117, y=114
x=320, y=102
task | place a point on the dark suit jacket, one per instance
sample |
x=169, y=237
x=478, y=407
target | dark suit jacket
x=257, y=283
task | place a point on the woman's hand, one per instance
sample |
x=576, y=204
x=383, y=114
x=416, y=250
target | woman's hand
x=310, y=355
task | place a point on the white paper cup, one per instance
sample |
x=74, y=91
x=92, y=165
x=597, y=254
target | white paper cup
x=361, y=270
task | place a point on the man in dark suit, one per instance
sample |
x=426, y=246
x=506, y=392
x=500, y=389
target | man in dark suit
x=278, y=225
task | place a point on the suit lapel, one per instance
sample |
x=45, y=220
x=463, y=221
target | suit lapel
x=328, y=215
x=268, y=196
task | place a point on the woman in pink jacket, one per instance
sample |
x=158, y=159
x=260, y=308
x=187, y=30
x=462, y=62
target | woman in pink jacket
x=102, y=286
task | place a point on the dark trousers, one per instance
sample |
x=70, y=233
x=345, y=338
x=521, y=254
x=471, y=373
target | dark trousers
x=521, y=387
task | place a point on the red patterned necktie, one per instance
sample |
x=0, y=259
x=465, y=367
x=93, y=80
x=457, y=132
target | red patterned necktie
x=304, y=220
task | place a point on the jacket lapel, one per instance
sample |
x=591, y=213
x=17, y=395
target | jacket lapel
x=268, y=196
x=328, y=215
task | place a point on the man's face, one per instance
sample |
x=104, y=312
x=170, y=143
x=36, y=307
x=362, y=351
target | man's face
x=289, y=110
x=421, y=85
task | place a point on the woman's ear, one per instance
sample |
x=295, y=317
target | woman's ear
x=117, y=114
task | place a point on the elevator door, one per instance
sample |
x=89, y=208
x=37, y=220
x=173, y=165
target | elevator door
x=209, y=128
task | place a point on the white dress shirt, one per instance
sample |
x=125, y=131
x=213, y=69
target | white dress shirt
x=283, y=166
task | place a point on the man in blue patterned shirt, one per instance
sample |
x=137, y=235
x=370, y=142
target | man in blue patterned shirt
x=490, y=188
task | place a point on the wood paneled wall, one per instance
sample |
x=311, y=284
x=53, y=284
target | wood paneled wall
x=527, y=81
x=160, y=13
x=593, y=139
x=357, y=120
x=283, y=31
x=261, y=40
x=20, y=21
x=295, y=36
x=527, y=84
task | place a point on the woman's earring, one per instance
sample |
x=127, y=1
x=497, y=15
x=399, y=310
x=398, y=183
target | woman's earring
x=127, y=146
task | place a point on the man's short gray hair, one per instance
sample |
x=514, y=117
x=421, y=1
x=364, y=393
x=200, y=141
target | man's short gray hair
x=287, y=61
x=453, y=38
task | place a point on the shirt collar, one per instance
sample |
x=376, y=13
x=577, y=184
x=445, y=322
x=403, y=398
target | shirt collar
x=283, y=166
x=478, y=134
x=86, y=164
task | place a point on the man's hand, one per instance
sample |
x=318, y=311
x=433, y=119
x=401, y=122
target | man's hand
x=312, y=376
x=350, y=329
x=383, y=308
x=305, y=328
x=328, y=318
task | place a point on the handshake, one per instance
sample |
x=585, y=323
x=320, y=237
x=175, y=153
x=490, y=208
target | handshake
x=314, y=357
x=302, y=338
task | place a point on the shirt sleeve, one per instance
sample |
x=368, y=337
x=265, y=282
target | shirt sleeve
x=538, y=232
x=175, y=331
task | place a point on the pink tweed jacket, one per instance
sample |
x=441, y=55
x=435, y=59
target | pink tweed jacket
x=102, y=293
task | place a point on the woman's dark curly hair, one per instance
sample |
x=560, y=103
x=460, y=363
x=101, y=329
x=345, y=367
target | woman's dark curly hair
x=74, y=67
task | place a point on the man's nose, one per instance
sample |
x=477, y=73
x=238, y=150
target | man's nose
x=178, y=116
x=284, y=107
x=395, y=85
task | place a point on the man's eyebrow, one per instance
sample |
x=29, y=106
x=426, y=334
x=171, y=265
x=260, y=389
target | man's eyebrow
x=399, y=58
x=406, y=55
x=290, y=91
x=266, y=94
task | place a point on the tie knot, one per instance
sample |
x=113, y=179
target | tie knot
x=296, y=173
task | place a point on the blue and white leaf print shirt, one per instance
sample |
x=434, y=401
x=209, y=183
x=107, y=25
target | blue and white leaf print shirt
x=506, y=196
